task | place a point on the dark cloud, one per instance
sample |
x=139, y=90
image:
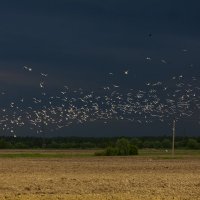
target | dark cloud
x=80, y=41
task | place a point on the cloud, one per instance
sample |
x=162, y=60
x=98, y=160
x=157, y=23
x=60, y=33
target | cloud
x=14, y=78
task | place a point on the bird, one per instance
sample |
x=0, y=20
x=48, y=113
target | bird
x=42, y=84
x=28, y=68
x=164, y=61
x=126, y=72
x=44, y=75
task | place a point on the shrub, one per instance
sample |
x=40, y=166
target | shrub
x=99, y=153
x=133, y=150
x=121, y=148
x=111, y=151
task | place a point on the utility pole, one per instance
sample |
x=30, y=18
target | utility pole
x=173, y=137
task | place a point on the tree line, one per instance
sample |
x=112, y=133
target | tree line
x=96, y=143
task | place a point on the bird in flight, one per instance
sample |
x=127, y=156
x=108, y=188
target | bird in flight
x=45, y=75
x=28, y=68
x=126, y=72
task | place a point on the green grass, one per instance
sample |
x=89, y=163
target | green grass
x=150, y=153
x=42, y=155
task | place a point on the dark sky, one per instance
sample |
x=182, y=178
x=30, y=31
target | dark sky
x=78, y=42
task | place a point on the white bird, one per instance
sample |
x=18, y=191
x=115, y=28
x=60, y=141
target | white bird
x=42, y=84
x=45, y=75
x=28, y=68
x=126, y=72
x=164, y=61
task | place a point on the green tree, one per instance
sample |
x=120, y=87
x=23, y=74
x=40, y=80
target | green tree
x=193, y=144
x=4, y=144
x=166, y=143
x=111, y=151
x=157, y=144
x=123, y=146
x=136, y=142
x=20, y=145
x=148, y=144
x=133, y=150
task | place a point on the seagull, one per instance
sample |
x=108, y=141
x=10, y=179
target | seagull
x=42, y=84
x=66, y=87
x=164, y=61
x=28, y=68
x=181, y=76
x=126, y=72
x=45, y=75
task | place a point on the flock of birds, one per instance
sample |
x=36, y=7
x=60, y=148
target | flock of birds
x=177, y=98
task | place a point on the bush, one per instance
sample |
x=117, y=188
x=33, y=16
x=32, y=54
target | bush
x=111, y=151
x=99, y=153
x=121, y=148
x=133, y=150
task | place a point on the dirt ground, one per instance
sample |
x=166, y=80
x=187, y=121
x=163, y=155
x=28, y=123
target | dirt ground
x=99, y=178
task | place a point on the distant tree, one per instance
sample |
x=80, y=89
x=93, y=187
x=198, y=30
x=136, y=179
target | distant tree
x=123, y=146
x=4, y=144
x=166, y=143
x=87, y=145
x=133, y=150
x=193, y=144
x=111, y=151
x=148, y=144
x=136, y=142
x=157, y=144
x=20, y=145
x=54, y=145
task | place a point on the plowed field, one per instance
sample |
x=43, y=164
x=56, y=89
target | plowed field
x=99, y=178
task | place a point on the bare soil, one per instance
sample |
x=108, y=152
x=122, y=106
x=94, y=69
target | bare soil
x=99, y=178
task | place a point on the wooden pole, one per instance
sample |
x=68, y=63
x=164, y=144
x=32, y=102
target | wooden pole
x=173, y=137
